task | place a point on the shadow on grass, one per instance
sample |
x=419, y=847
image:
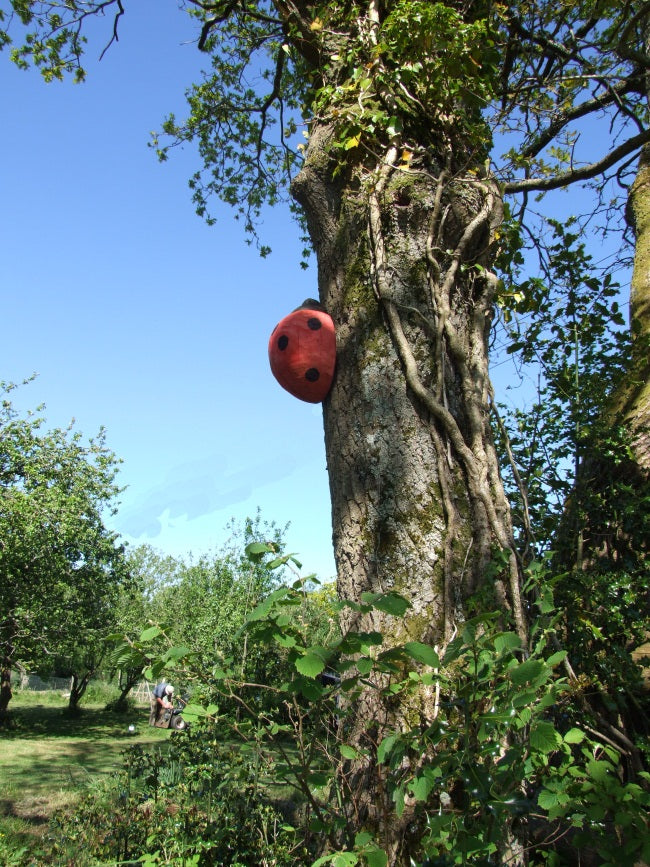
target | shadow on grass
x=48, y=758
x=88, y=723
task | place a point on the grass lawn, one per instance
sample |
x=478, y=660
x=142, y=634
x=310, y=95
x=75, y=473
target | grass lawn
x=48, y=758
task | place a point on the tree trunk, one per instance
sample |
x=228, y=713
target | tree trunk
x=7, y=639
x=417, y=501
x=634, y=403
x=77, y=690
x=131, y=679
x=5, y=688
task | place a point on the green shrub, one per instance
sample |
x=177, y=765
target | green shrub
x=202, y=803
x=100, y=692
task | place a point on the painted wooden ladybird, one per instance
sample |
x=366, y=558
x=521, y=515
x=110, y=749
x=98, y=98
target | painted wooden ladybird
x=302, y=352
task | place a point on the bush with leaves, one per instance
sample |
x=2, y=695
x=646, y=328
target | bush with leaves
x=576, y=486
x=201, y=802
x=499, y=748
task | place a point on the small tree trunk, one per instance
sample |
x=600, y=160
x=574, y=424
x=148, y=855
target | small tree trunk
x=131, y=680
x=78, y=689
x=8, y=630
x=5, y=688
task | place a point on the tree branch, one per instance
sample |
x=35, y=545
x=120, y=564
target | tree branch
x=565, y=179
x=562, y=119
x=114, y=37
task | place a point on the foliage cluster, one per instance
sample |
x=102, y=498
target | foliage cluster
x=565, y=327
x=577, y=494
x=199, y=801
x=501, y=746
x=61, y=569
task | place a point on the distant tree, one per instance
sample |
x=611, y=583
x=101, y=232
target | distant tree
x=60, y=566
x=149, y=572
x=209, y=598
x=198, y=603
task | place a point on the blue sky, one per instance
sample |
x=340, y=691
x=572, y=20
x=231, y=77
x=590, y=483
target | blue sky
x=139, y=317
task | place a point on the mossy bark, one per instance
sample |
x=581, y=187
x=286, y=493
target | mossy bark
x=417, y=500
x=633, y=404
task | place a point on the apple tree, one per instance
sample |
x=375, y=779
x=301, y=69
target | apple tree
x=60, y=567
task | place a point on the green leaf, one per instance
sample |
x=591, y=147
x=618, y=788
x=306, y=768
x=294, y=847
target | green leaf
x=574, y=736
x=599, y=772
x=544, y=738
x=317, y=779
x=310, y=665
x=556, y=658
x=348, y=752
x=150, y=633
x=261, y=611
x=507, y=641
x=398, y=798
x=422, y=653
x=282, y=561
x=256, y=550
x=364, y=665
x=524, y=698
x=284, y=640
x=422, y=786
x=192, y=711
x=526, y=671
x=176, y=653
x=376, y=857
x=385, y=747
x=338, y=859
x=389, y=603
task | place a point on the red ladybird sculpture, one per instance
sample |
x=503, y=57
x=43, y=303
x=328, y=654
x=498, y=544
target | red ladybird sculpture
x=302, y=352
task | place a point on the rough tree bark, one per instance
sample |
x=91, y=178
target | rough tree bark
x=418, y=504
x=634, y=403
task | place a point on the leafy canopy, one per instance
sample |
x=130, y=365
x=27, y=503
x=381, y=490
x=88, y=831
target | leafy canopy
x=444, y=77
x=59, y=564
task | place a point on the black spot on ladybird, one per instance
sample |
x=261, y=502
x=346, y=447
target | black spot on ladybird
x=312, y=375
x=283, y=342
x=314, y=323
